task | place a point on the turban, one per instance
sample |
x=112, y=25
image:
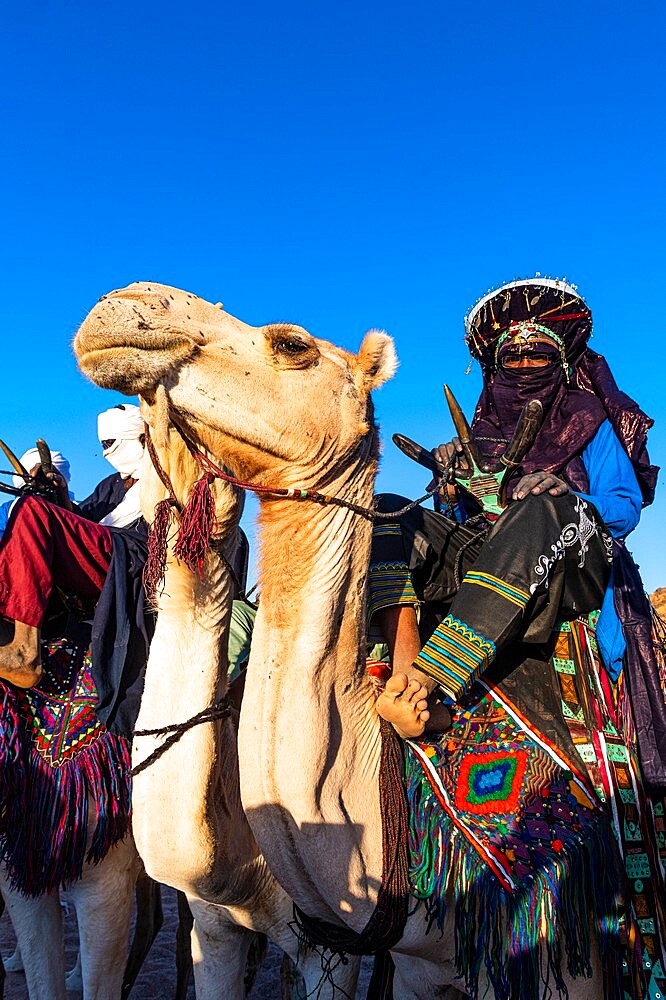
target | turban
x=585, y=396
x=123, y=421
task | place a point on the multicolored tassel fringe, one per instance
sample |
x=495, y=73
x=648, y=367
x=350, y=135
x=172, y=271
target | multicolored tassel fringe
x=45, y=810
x=503, y=932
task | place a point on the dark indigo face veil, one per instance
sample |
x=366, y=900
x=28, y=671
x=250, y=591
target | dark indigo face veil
x=575, y=409
x=571, y=417
x=514, y=387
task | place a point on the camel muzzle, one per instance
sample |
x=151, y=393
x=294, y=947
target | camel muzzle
x=124, y=346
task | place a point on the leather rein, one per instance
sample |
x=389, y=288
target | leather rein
x=193, y=540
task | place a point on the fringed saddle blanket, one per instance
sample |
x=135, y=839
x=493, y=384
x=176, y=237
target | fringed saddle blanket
x=62, y=775
x=525, y=841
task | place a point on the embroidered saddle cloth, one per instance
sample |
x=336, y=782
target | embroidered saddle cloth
x=65, y=783
x=510, y=833
x=513, y=797
x=528, y=840
x=59, y=715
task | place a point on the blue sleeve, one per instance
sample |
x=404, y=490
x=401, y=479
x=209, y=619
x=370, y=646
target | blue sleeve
x=614, y=489
x=4, y=516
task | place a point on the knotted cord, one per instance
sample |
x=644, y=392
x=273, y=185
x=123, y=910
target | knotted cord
x=220, y=710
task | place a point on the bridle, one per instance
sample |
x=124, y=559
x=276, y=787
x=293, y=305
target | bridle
x=198, y=514
x=194, y=538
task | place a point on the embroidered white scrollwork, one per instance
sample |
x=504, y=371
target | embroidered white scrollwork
x=608, y=545
x=571, y=535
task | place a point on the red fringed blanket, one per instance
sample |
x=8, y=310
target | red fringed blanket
x=65, y=785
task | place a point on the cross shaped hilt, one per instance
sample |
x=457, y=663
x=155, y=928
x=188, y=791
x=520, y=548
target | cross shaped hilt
x=484, y=478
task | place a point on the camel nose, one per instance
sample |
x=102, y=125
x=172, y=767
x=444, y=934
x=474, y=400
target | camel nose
x=125, y=345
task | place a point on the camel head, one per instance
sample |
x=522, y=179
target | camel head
x=269, y=402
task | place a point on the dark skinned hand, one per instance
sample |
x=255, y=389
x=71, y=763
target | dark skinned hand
x=62, y=493
x=539, y=482
x=444, y=453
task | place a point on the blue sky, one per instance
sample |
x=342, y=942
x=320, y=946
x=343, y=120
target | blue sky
x=341, y=166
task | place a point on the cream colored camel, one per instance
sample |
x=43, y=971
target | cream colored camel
x=282, y=408
x=103, y=899
x=187, y=818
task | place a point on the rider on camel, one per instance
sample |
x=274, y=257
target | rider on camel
x=48, y=545
x=450, y=592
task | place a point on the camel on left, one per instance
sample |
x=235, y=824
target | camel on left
x=187, y=821
x=66, y=821
x=103, y=900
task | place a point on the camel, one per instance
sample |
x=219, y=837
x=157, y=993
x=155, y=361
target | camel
x=282, y=408
x=103, y=896
x=187, y=818
x=103, y=899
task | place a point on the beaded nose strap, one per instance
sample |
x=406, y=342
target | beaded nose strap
x=212, y=472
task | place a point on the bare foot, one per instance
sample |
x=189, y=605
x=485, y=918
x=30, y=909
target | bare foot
x=20, y=660
x=404, y=704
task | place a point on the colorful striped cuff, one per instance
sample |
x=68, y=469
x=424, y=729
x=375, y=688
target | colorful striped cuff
x=455, y=655
x=506, y=590
x=389, y=584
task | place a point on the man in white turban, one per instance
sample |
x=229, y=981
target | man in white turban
x=115, y=501
x=48, y=542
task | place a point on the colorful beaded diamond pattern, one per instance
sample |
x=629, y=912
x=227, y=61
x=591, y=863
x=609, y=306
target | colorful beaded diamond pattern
x=60, y=713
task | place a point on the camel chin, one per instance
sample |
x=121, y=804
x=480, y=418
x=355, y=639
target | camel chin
x=133, y=371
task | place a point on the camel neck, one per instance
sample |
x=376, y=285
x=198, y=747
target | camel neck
x=310, y=782
x=188, y=820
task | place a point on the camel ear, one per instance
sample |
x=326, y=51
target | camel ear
x=377, y=359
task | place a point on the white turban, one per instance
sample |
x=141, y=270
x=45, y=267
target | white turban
x=31, y=458
x=123, y=425
x=123, y=422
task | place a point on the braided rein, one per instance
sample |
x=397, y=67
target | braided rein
x=209, y=468
x=220, y=710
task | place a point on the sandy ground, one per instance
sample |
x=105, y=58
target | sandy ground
x=157, y=979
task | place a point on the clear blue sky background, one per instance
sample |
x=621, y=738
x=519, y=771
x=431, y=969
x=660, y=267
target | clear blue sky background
x=342, y=166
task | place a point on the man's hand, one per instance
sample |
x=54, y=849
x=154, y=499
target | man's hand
x=60, y=483
x=539, y=482
x=445, y=452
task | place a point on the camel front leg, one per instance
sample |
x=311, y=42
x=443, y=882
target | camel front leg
x=38, y=927
x=103, y=899
x=219, y=952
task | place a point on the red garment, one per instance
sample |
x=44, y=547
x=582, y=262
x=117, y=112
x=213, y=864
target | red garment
x=44, y=545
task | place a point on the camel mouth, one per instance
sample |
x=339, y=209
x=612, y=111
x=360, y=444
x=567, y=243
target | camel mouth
x=130, y=346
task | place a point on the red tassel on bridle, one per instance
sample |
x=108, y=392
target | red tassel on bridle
x=197, y=524
x=155, y=568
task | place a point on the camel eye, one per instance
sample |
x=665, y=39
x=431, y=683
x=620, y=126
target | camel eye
x=292, y=347
x=290, y=350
